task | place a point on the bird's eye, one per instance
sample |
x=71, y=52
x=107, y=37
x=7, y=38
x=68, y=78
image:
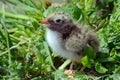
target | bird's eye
x=58, y=20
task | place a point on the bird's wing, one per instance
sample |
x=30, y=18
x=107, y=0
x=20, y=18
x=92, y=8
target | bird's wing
x=77, y=41
x=80, y=38
x=93, y=41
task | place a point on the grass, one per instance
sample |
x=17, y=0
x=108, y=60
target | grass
x=24, y=53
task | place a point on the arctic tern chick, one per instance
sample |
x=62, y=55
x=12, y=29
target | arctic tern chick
x=68, y=38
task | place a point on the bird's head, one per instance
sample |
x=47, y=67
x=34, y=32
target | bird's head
x=58, y=21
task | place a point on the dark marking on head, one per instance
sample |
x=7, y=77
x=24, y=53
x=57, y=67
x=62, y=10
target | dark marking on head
x=67, y=31
x=61, y=22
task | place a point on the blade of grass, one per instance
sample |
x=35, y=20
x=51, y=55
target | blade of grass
x=2, y=37
x=65, y=64
x=23, y=6
x=13, y=47
x=7, y=38
x=17, y=16
x=49, y=55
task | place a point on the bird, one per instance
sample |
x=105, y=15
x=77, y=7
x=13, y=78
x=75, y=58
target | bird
x=67, y=37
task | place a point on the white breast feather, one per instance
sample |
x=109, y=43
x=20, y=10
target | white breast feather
x=54, y=42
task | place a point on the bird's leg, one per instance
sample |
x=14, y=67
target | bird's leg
x=72, y=65
x=71, y=69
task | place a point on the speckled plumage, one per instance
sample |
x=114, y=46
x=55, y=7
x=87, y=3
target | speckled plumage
x=67, y=38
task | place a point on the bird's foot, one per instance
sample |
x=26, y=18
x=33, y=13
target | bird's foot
x=70, y=73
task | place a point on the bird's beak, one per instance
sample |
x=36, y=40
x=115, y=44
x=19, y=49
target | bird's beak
x=44, y=22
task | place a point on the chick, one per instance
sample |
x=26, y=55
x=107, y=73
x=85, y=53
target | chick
x=68, y=38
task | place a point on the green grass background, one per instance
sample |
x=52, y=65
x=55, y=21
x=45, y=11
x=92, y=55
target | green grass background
x=25, y=55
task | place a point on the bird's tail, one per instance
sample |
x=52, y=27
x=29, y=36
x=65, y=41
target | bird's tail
x=93, y=41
